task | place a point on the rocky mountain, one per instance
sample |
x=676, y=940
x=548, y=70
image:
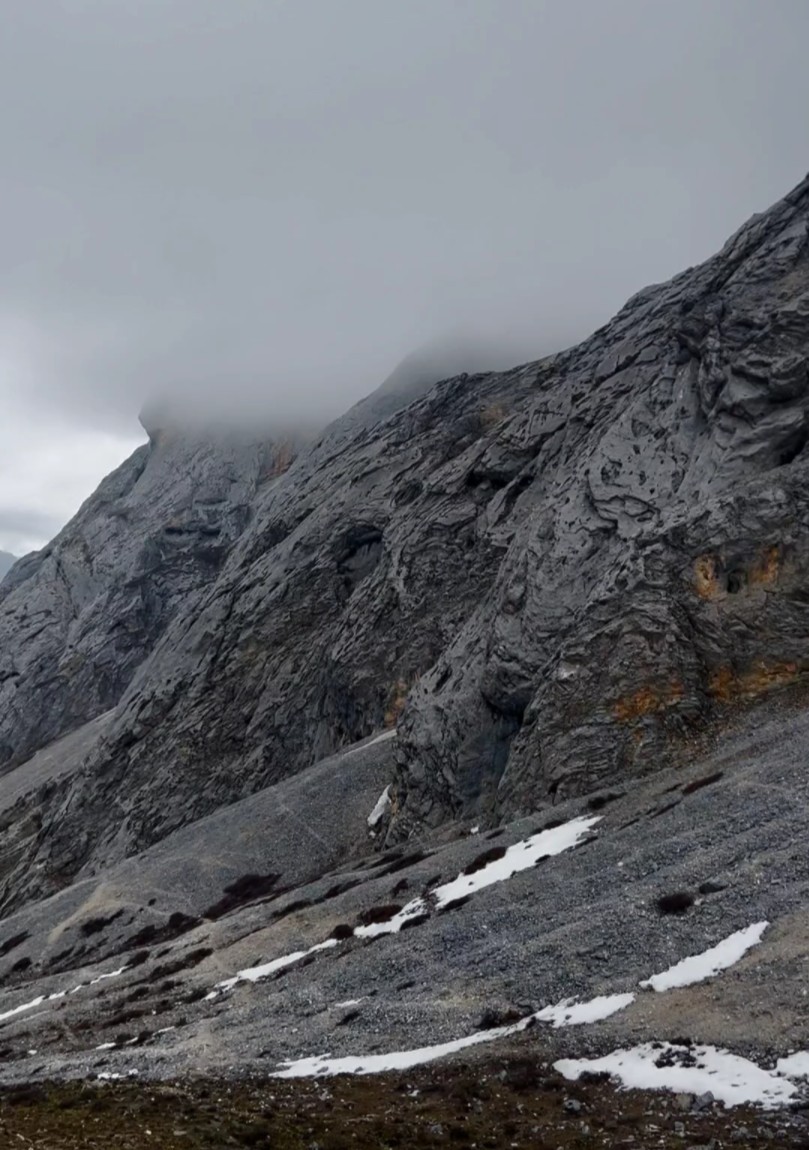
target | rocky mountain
x=7, y=561
x=536, y=593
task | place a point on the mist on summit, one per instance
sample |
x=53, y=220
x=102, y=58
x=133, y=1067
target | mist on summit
x=253, y=212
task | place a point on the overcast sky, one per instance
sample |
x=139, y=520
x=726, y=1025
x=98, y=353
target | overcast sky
x=275, y=200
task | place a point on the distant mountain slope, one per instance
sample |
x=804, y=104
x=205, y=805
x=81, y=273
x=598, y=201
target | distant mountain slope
x=552, y=578
x=7, y=561
x=78, y=617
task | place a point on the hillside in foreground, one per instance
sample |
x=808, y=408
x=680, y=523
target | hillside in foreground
x=475, y=726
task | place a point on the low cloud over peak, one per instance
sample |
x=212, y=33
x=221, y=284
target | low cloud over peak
x=262, y=207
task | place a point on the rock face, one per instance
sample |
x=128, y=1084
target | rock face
x=77, y=618
x=551, y=578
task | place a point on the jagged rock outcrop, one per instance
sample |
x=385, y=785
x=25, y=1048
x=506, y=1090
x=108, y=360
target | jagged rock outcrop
x=78, y=617
x=569, y=570
x=662, y=570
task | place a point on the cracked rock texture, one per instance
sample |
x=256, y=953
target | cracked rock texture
x=550, y=578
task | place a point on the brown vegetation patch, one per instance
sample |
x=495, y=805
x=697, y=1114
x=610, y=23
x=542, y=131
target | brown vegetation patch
x=727, y=685
x=706, y=578
x=647, y=700
x=766, y=569
x=510, y=1099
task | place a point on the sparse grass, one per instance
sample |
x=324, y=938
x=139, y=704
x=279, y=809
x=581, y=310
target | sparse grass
x=511, y=1101
x=397, y=696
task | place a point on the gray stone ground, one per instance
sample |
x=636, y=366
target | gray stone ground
x=582, y=923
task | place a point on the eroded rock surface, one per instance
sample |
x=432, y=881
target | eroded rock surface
x=552, y=578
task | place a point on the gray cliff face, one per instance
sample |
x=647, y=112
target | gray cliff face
x=660, y=567
x=78, y=617
x=550, y=578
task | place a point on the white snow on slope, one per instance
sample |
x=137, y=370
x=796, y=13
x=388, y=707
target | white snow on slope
x=382, y=807
x=35, y=1002
x=698, y=967
x=393, y=925
x=730, y=1078
x=23, y=1007
x=566, y=1013
x=795, y=1066
x=254, y=973
x=320, y=1066
x=518, y=857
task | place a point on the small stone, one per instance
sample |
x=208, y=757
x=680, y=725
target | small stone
x=704, y=1101
x=684, y=1102
x=572, y=1105
x=679, y=1129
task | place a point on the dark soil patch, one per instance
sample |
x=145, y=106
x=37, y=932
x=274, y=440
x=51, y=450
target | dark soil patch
x=663, y=810
x=13, y=942
x=510, y=1101
x=244, y=890
x=698, y=784
x=378, y=913
x=298, y=904
x=677, y=902
x=401, y=863
x=96, y=925
x=177, y=924
x=490, y=855
x=184, y=962
x=598, y=802
x=342, y=931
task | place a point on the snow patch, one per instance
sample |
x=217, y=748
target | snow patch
x=795, y=1066
x=35, y=1002
x=322, y=1066
x=521, y=856
x=255, y=973
x=517, y=858
x=382, y=807
x=568, y=1012
x=698, y=967
x=688, y=1070
x=393, y=925
x=565, y=1013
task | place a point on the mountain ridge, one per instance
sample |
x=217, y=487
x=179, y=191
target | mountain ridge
x=437, y=570
x=474, y=721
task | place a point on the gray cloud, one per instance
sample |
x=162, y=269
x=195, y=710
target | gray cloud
x=277, y=200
